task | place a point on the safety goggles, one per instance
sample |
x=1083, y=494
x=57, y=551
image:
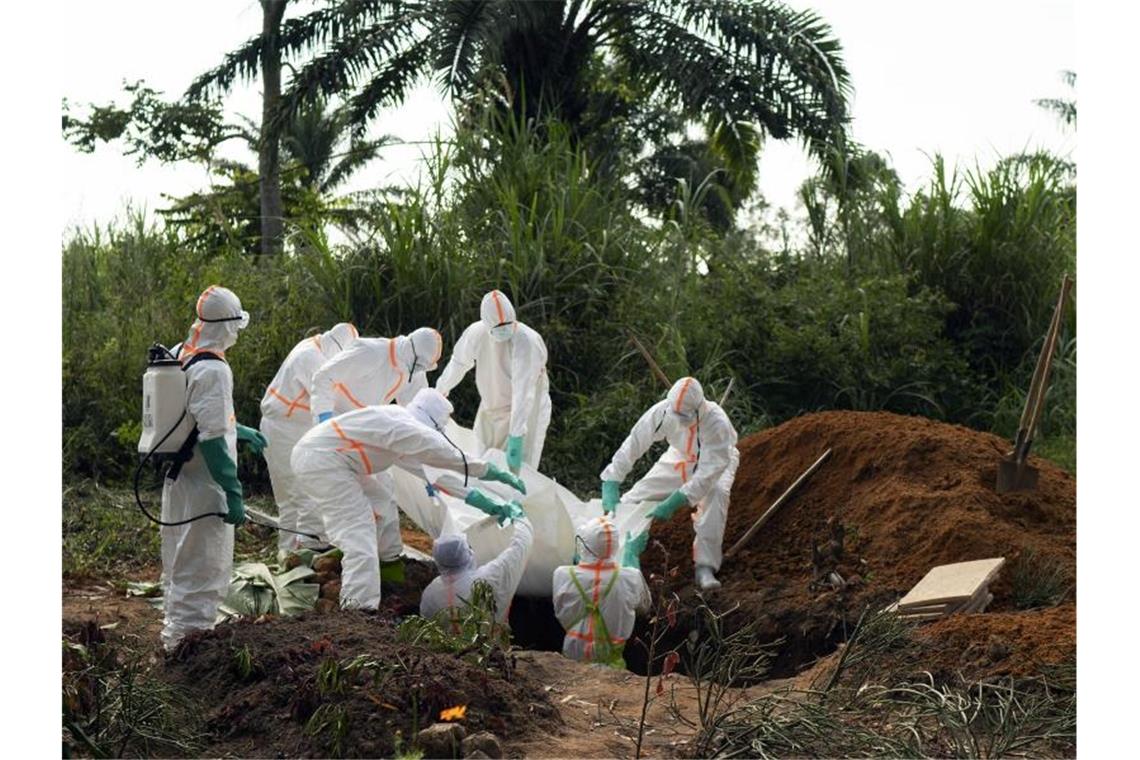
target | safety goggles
x=503, y=331
x=242, y=320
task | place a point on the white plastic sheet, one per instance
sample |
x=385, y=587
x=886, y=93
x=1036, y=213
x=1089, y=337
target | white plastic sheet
x=553, y=510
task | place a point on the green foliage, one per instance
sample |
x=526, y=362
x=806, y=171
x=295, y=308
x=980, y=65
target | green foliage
x=1038, y=581
x=472, y=630
x=945, y=320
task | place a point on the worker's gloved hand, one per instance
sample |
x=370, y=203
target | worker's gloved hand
x=512, y=511
x=430, y=490
x=632, y=548
x=514, y=453
x=484, y=503
x=253, y=437
x=502, y=476
x=611, y=495
x=666, y=509
x=324, y=416
x=223, y=470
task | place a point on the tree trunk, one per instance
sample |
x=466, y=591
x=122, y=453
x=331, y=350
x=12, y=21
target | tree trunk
x=268, y=149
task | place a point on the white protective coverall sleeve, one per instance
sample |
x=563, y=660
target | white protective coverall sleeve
x=462, y=358
x=528, y=360
x=645, y=432
x=504, y=572
x=364, y=374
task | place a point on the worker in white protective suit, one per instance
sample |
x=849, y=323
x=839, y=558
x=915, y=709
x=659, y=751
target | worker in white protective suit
x=285, y=417
x=597, y=600
x=197, y=557
x=510, y=373
x=377, y=371
x=696, y=470
x=336, y=462
x=458, y=572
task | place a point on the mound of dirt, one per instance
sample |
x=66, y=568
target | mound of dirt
x=319, y=685
x=910, y=493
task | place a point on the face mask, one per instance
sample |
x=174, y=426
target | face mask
x=503, y=333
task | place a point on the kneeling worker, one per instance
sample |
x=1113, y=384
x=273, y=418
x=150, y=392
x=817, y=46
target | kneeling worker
x=337, y=463
x=596, y=600
x=458, y=572
x=696, y=470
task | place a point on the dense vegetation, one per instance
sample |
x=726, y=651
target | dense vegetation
x=933, y=304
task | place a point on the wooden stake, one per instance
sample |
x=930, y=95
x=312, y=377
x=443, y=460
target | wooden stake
x=785, y=496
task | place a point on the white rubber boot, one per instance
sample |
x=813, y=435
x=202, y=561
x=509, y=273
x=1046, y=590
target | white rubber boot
x=706, y=581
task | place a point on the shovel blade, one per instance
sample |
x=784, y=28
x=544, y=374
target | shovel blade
x=1013, y=476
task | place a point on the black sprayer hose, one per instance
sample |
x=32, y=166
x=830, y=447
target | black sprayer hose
x=152, y=518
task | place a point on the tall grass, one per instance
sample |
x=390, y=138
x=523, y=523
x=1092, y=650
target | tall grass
x=943, y=322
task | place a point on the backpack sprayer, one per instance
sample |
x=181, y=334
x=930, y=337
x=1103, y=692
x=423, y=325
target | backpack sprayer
x=168, y=433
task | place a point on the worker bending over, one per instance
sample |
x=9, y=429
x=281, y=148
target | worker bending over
x=696, y=470
x=597, y=600
x=286, y=416
x=337, y=462
x=510, y=373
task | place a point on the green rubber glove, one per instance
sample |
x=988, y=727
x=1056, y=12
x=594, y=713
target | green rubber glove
x=632, y=548
x=514, y=453
x=253, y=437
x=484, y=503
x=512, y=511
x=667, y=508
x=224, y=471
x=611, y=495
x=502, y=476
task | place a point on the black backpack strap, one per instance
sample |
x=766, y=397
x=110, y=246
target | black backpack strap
x=186, y=450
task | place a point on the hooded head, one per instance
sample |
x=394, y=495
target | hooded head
x=427, y=347
x=498, y=314
x=686, y=398
x=453, y=554
x=599, y=538
x=341, y=336
x=219, y=318
x=431, y=408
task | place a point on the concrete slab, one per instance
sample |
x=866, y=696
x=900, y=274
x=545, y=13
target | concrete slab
x=952, y=584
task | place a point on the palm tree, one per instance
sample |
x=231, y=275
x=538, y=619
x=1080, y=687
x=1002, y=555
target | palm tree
x=722, y=63
x=322, y=141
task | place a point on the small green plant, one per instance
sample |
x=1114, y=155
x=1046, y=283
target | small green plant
x=331, y=722
x=471, y=630
x=243, y=663
x=1038, y=581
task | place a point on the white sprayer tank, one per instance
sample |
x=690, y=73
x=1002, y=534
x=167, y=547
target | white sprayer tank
x=164, y=402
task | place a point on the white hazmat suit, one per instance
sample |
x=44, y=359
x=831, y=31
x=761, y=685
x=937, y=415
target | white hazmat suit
x=700, y=463
x=510, y=373
x=285, y=417
x=597, y=600
x=336, y=462
x=197, y=558
x=458, y=572
x=376, y=371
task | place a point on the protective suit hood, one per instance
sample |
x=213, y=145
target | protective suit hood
x=426, y=346
x=219, y=318
x=686, y=398
x=600, y=540
x=341, y=336
x=453, y=554
x=498, y=314
x=431, y=408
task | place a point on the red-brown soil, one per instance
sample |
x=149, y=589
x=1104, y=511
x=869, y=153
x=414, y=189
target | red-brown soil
x=911, y=493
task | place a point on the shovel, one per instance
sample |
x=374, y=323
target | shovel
x=1014, y=473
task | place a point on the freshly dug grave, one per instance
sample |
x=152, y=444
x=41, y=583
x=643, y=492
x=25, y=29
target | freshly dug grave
x=910, y=493
x=320, y=685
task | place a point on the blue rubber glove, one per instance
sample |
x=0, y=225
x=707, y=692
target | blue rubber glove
x=324, y=416
x=632, y=548
x=430, y=490
x=667, y=508
x=611, y=495
x=502, y=476
x=224, y=472
x=253, y=437
x=514, y=453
